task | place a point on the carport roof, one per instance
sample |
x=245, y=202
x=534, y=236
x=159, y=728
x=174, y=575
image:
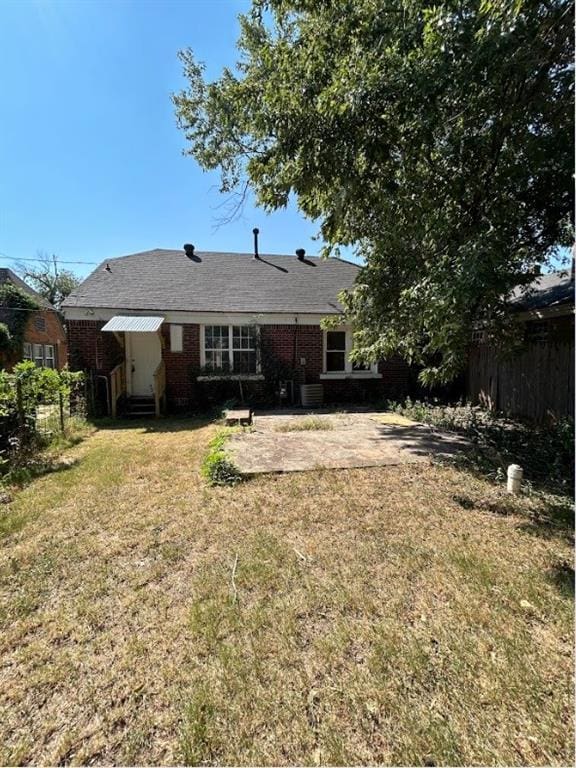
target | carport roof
x=134, y=323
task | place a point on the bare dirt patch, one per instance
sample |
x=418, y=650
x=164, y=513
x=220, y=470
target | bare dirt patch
x=294, y=443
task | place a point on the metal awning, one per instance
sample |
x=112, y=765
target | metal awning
x=134, y=324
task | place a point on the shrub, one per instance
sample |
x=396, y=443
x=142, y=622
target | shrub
x=546, y=452
x=217, y=467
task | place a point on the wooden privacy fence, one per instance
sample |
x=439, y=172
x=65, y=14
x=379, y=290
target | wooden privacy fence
x=537, y=383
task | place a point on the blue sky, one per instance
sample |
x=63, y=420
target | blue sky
x=90, y=157
x=91, y=163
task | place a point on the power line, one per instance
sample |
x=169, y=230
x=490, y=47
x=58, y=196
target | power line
x=60, y=261
x=4, y=309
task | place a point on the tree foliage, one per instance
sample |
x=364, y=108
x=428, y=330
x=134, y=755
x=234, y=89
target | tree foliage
x=434, y=137
x=15, y=309
x=52, y=283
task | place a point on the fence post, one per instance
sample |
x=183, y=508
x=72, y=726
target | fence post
x=61, y=404
x=20, y=406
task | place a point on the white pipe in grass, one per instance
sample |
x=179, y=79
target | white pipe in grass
x=515, y=475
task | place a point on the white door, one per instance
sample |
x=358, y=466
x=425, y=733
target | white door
x=145, y=354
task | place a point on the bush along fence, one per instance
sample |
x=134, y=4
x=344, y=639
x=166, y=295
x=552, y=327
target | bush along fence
x=545, y=451
x=35, y=405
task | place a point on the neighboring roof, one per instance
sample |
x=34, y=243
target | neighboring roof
x=7, y=276
x=216, y=282
x=133, y=323
x=554, y=289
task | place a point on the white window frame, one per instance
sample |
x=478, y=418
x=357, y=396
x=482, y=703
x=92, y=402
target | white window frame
x=348, y=372
x=48, y=357
x=41, y=360
x=36, y=357
x=254, y=376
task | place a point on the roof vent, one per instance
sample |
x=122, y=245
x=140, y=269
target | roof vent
x=300, y=253
x=189, y=250
x=256, y=232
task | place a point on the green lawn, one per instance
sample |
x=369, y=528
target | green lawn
x=389, y=615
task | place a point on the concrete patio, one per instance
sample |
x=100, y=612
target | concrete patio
x=293, y=441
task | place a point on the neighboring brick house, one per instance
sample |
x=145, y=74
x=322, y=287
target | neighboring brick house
x=537, y=382
x=215, y=322
x=44, y=338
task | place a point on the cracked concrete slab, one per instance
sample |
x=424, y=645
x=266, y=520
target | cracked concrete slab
x=344, y=440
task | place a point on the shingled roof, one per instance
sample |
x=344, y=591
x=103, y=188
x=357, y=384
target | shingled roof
x=8, y=276
x=552, y=290
x=163, y=280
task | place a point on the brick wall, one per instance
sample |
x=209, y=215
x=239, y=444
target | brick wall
x=289, y=345
x=43, y=327
x=47, y=328
x=90, y=349
x=179, y=366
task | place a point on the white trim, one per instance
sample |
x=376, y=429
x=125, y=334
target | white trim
x=203, y=318
x=348, y=372
x=354, y=375
x=232, y=377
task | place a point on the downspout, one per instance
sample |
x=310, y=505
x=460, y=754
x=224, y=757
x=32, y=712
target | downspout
x=295, y=349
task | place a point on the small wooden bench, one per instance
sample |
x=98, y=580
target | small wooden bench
x=242, y=418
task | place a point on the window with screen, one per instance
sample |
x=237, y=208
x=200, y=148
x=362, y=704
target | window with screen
x=217, y=347
x=39, y=354
x=231, y=349
x=49, y=356
x=243, y=349
x=335, y=351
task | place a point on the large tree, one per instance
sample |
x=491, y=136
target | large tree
x=434, y=137
x=50, y=281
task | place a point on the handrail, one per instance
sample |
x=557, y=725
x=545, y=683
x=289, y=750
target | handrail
x=159, y=386
x=117, y=386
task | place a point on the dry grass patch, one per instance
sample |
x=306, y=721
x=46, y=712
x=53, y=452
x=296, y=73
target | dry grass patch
x=390, y=615
x=311, y=423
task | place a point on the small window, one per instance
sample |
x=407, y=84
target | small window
x=217, y=347
x=176, y=338
x=335, y=351
x=478, y=336
x=49, y=357
x=40, y=323
x=39, y=354
x=537, y=331
x=27, y=354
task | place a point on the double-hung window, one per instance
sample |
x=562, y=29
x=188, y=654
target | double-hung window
x=337, y=362
x=39, y=354
x=230, y=349
x=49, y=359
x=244, y=349
x=43, y=355
x=335, y=351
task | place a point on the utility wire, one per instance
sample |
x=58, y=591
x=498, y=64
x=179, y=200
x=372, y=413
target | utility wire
x=60, y=261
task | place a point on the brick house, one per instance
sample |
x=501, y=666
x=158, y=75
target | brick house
x=44, y=338
x=185, y=326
